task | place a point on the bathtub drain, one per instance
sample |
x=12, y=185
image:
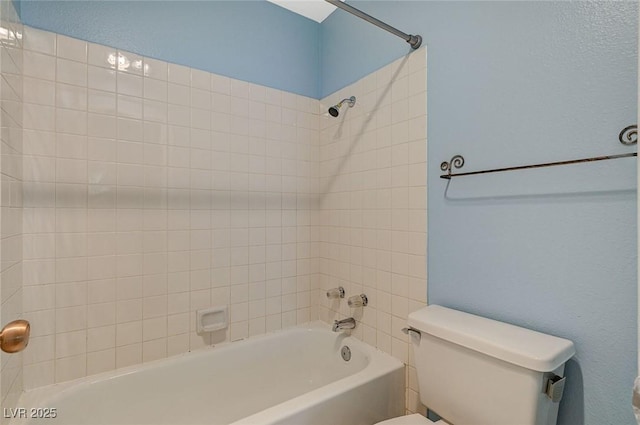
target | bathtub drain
x=346, y=353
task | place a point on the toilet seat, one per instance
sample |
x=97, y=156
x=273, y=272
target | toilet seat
x=414, y=419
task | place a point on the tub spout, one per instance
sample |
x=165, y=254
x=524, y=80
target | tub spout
x=348, y=323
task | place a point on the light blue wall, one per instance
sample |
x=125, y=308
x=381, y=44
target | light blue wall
x=16, y=5
x=512, y=83
x=250, y=40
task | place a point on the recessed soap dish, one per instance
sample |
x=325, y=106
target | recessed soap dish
x=211, y=319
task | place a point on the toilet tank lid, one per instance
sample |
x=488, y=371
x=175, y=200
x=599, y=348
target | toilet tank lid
x=513, y=344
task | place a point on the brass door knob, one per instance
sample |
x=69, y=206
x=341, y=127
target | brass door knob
x=14, y=337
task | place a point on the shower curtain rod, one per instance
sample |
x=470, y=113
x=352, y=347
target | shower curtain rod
x=414, y=40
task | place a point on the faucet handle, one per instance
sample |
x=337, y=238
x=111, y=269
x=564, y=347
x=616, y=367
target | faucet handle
x=358, y=301
x=335, y=292
x=336, y=326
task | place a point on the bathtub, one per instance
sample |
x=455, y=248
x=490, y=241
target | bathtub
x=291, y=377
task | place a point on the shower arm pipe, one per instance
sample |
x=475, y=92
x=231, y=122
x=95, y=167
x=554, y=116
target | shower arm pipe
x=414, y=40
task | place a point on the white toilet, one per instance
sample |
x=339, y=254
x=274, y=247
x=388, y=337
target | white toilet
x=477, y=371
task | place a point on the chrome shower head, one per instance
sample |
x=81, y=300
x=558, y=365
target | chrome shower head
x=334, y=111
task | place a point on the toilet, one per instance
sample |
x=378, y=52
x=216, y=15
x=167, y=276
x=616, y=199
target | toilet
x=477, y=371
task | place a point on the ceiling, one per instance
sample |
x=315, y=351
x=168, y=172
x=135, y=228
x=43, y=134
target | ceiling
x=317, y=10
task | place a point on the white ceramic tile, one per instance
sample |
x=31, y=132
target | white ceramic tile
x=101, y=361
x=200, y=99
x=273, y=96
x=38, y=117
x=155, y=329
x=200, y=119
x=39, y=374
x=103, y=127
x=239, y=89
x=155, y=90
x=155, y=111
x=102, y=56
x=417, y=106
x=130, y=63
x=179, y=74
x=38, y=168
x=101, y=78
x=71, y=344
x=220, y=102
x=130, y=129
x=71, y=220
x=179, y=116
x=71, y=97
x=100, y=244
x=128, y=355
x=200, y=79
x=102, y=267
x=38, y=142
x=417, y=61
x=101, y=291
x=101, y=102
x=101, y=338
x=155, y=69
x=239, y=107
x=38, y=65
x=129, y=84
x=39, y=41
x=156, y=133
x=128, y=333
x=154, y=350
x=70, y=319
x=71, y=48
x=71, y=121
x=39, y=91
x=220, y=84
x=71, y=245
x=71, y=72
x=179, y=94
x=258, y=93
x=43, y=349
x=129, y=107
x=38, y=298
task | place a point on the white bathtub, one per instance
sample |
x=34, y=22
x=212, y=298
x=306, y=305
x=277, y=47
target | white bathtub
x=296, y=376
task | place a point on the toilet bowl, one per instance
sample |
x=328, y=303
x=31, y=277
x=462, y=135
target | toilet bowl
x=414, y=419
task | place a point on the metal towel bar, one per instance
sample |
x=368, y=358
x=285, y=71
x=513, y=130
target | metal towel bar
x=628, y=136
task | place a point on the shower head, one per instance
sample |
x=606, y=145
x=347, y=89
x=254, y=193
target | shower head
x=334, y=111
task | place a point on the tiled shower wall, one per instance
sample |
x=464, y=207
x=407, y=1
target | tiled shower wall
x=373, y=206
x=152, y=190
x=10, y=195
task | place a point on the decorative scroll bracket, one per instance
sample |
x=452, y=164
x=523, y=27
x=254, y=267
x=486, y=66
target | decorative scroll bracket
x=629, y=135
x=457, y=161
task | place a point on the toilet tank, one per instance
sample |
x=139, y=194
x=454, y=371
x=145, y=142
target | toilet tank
x=477, y=371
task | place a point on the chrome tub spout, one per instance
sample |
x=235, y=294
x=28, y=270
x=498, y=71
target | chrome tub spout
x=348, y=323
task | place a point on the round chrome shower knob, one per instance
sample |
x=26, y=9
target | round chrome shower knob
x=358, y=301
x=335, y=292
